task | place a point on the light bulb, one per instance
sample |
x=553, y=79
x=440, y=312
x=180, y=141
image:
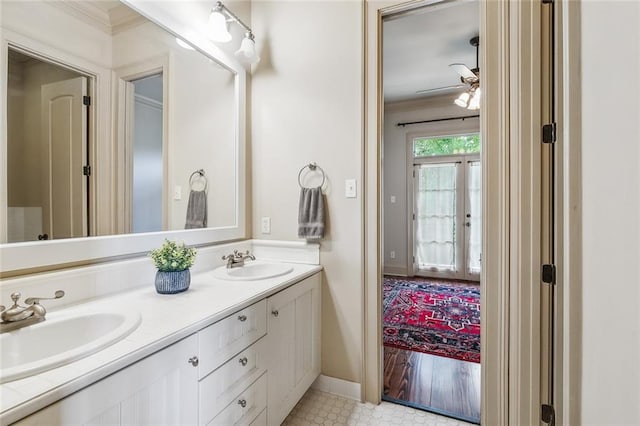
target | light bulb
x=474, y=103
x=247, y=52
x=218, y=29
x=462, y=100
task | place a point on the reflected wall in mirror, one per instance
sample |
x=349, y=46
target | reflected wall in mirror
x=108, y=119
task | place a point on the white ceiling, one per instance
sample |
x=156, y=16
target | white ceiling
x=419, y=46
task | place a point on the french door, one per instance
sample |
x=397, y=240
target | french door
x=446, y=217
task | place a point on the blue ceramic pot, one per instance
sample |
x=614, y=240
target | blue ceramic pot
x=172, y=282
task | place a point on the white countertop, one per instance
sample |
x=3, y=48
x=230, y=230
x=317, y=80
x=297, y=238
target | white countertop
x=165, y=320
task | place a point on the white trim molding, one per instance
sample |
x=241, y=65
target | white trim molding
x=338, y=387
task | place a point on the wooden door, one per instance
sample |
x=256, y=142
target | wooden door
x=64, y=138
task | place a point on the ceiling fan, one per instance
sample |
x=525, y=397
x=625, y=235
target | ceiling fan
x=470, y=77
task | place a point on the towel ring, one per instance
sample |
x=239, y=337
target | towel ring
x=312, y=167
x=199, y=173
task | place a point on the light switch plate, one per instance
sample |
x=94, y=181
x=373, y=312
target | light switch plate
x=177, y=192
x=393, y=199
x=350, y=188
x=266, y=225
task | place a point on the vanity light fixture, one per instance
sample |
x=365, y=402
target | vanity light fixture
x=219, y=31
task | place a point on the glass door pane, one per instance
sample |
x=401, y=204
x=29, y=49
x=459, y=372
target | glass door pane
x=473, y=218
x=436, y=200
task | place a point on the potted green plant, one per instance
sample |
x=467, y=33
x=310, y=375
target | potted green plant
x=173, y=261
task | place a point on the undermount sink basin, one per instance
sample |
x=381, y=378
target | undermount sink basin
x=60, y=339
x=252, y=271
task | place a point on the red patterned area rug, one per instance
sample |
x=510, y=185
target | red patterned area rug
x=436, y=317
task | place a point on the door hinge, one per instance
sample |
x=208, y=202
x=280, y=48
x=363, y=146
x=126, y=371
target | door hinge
x=86, y=170
x=86, y=100
x=549, y=274
x=549, y=133
x=548, y=414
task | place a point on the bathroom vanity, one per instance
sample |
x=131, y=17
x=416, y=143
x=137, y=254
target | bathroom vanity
x=224, y=352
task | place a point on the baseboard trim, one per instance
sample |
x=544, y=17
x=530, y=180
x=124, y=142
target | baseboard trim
x=395, y=270
x=338, y=387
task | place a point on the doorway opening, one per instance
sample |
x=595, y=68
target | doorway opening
x=146, y=121
x=432, y=209
x=48, y=149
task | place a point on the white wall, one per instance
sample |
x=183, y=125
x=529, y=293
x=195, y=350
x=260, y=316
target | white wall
x=307, y=106
x=611, y=212
x=394, y=174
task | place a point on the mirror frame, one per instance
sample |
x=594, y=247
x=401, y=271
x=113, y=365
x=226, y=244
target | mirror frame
x=189, y=23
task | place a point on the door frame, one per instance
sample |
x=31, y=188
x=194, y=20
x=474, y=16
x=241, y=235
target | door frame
x=124, y=137
x=96, y=86
x=511, y=186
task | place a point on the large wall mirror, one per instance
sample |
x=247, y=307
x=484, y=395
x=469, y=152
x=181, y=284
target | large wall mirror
x=123, y=126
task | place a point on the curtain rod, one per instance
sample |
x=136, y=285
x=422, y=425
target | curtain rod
x=436, y=120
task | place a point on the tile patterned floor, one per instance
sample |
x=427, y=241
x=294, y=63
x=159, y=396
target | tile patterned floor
x=319, y=408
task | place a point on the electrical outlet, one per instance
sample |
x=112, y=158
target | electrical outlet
x=177, y=192
x=266, y=225
x=392, y=254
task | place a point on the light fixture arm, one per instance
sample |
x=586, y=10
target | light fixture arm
x=220, y=7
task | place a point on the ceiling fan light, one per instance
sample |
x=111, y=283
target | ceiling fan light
x=462, y=100
x=474, y=103
x=218, y=28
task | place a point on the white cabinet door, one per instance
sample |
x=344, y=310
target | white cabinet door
x=161, y=389
x=293, y=340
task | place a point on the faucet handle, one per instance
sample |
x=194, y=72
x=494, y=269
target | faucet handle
x=36, y=300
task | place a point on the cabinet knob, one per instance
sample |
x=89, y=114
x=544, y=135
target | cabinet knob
x=243, y=361
x=194, y=361
x=242, y=402
x=242, y=318
x=275, y=313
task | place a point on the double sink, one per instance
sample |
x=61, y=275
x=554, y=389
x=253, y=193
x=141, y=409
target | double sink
x=69, y=335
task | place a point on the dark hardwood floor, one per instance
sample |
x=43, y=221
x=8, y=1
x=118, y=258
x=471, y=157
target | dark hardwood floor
x=444, y=385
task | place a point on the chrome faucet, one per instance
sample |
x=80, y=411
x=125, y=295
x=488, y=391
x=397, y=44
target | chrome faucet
x=236, y=259
x=17, y=316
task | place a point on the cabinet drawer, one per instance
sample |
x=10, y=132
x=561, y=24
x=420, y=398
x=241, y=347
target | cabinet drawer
x=227, y=337
x=261, y=420
x=219, y=388
x=246, y=407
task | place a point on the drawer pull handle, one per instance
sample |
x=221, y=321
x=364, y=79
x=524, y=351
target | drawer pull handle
x=242, y=402
x=275, y=313
x=243, y=361
x=242, y=318
x=194, y=361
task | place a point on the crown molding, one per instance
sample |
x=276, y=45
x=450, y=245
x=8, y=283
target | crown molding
x=110, y=20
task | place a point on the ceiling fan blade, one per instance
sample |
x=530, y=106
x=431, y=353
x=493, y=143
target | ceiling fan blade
x=464, y=71
x=440, y=89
